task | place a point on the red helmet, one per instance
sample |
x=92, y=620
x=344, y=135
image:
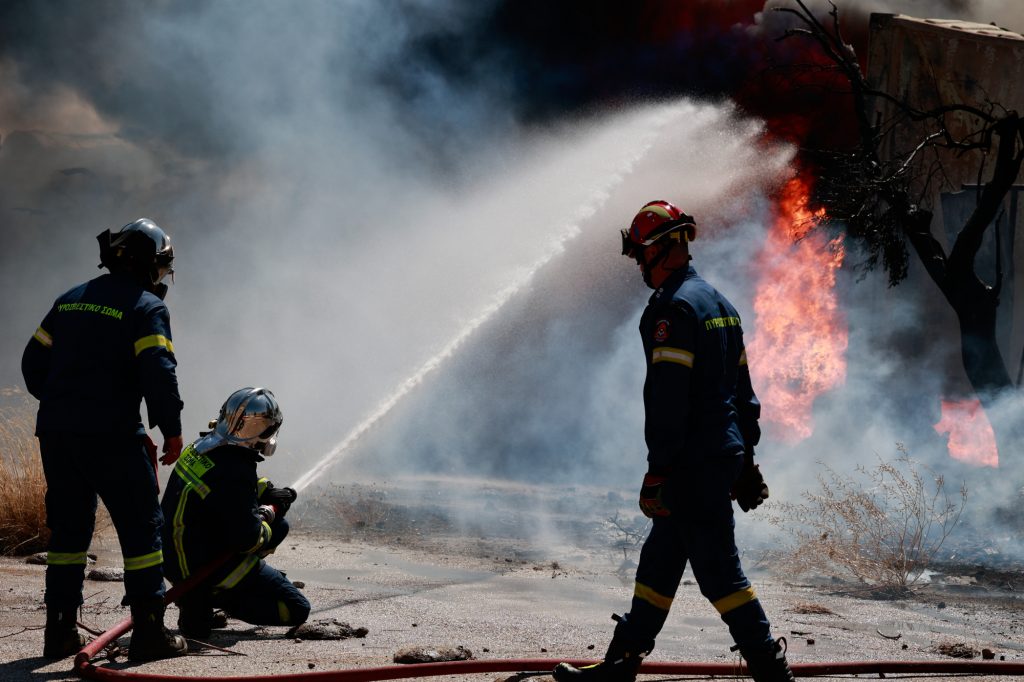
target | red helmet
x=655, y=221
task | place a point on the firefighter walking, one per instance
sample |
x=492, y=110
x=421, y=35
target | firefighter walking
x=216, y=503
x=103, y=347
x=701, y=426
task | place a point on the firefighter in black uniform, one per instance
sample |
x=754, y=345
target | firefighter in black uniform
x=701, y=429
x=103, y=347
x=216, y=504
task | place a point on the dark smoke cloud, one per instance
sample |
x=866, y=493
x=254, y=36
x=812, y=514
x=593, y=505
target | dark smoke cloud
x=151, y=88
x=222, y=81
x=559, y=58
x=166, y=71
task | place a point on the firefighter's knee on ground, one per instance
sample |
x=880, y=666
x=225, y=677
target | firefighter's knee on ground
x=294, y=611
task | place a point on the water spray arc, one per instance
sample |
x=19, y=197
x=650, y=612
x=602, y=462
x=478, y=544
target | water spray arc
x=417, y=377
x=570, y=229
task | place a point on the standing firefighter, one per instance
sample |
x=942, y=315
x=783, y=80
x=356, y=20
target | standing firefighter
x=103, y=347
x=216, y=504
x=701, y=428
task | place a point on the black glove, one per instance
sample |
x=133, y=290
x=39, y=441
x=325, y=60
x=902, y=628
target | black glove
x=750, y=490
x=650, y=496
x=280, y=498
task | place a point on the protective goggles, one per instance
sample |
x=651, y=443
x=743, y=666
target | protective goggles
x=633, y=249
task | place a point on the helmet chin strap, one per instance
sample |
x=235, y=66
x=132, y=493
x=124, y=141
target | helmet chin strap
x=647, y=268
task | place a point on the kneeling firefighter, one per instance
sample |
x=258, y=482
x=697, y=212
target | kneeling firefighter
x=217, y=503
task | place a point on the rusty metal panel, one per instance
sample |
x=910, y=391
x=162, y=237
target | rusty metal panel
x=928, y=63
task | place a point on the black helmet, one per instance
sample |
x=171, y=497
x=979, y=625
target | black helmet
x=140, y=249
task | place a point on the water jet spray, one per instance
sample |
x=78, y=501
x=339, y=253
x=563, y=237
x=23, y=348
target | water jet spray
x=570, y=228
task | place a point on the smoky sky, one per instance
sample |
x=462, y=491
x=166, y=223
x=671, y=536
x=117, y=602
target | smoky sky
x=158, y=69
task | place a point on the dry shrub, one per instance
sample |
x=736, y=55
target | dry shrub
x=22, y=485
x=810, y=608
x=955, y=649
x=351, y=507
x=882, y=528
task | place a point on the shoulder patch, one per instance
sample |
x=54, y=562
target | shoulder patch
x=661, y=330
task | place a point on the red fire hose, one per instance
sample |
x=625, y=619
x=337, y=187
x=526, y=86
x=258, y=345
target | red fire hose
x=395, y=672
x=85, y=667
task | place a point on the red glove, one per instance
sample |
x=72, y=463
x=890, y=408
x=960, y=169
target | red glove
x=650, y=496
x=172, y=449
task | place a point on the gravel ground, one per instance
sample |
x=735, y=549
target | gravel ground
x=503, y=598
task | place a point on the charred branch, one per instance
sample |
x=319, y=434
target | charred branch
x=878, y=198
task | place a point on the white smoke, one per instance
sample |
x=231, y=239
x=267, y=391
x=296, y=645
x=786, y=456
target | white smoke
x=335, y=231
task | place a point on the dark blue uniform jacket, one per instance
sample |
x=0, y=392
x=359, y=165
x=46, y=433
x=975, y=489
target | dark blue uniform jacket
x=210, y=508
x=697, y=396
x=103, y=347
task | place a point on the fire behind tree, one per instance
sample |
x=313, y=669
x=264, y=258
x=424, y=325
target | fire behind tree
x=922, y=129
x=798, y=68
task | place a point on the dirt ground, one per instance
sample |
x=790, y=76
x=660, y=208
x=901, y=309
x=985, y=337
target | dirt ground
x=416, y=579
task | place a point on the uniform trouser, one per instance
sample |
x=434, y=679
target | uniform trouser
x=700, y=530
x=117, y=468
x=261, y=596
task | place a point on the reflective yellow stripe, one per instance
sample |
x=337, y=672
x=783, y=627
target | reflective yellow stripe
x=743, y=358
x=66, y=558
x=265, y=534
x=651, y=597
x=42, y=337
x=137, y=563
x=655, y=208
x=261, y=486
x=156, y=340
x=190, y=480
x=283, y=613
x=735, y=600
x=240, y=572
x=676, y=355
x=179, y=530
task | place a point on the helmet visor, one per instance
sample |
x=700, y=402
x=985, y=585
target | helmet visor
x=629, y=247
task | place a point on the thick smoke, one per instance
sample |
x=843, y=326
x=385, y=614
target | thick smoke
x=349, y=184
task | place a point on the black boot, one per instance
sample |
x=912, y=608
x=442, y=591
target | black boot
x=769, y=664
x=150, y=639
x=621, y=661
x=198, y=621
x=61, y=637
x=195, y=619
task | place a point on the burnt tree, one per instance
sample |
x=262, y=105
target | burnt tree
x=878, y=199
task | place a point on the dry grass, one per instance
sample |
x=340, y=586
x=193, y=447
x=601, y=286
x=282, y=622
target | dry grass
x=882, y=528
x=22, y=485
x=351, y=507
x=955, y=649
x=811, y=608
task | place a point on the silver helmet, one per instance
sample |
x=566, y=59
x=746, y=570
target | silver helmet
x=250, y=417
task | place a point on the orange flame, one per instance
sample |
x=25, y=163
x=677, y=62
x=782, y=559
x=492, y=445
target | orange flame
x=971, y=438
x=800, y=335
